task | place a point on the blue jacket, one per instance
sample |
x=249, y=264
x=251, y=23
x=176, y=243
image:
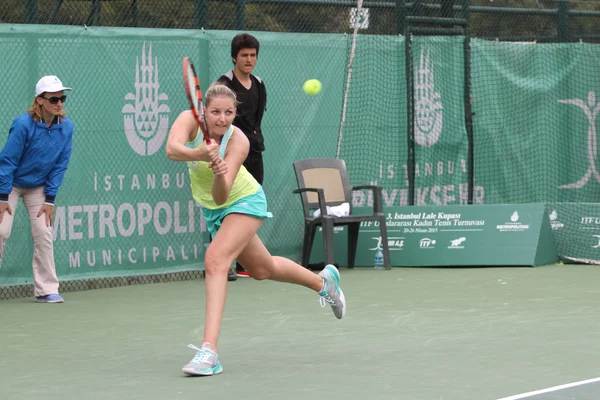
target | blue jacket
x=35, y=155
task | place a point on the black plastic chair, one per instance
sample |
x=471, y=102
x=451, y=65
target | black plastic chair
x=324, y=182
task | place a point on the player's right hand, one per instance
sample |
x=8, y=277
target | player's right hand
x=4, y=207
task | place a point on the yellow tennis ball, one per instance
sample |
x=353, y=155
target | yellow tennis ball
x=312, y=87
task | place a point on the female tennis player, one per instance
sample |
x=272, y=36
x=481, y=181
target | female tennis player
x=234, y=207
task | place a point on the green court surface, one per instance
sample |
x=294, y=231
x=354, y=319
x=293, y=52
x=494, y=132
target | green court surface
x=423, y=333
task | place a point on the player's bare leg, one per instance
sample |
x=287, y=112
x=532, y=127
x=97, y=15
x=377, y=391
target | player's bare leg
x=233, y=235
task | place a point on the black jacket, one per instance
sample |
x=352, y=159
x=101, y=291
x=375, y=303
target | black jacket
x=256, y=138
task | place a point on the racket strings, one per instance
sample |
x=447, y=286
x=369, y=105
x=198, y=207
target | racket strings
x=195, y=95
x=192, y=82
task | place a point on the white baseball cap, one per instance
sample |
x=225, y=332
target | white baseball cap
x=50, y=84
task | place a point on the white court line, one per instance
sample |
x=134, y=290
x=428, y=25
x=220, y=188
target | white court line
x=551, y=389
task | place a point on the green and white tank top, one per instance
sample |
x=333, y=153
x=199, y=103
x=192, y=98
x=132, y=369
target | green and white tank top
x=201, y=177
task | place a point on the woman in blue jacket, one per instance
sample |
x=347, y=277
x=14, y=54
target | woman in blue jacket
x=33, y=163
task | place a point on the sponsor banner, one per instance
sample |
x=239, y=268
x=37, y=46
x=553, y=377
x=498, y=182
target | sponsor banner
x=474, y=235
x=576, y=227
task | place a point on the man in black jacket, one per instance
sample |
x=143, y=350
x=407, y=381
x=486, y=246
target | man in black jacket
x=252, y=103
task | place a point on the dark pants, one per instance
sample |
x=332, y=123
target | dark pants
x=254, y=165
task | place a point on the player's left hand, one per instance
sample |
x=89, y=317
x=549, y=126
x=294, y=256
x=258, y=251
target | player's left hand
x=212, y=149
x=49, y=211
x=219, y=167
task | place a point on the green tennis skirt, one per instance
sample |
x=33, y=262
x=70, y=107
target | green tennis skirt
x=254, y=205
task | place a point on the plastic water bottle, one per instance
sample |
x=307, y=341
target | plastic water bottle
x=379, y=265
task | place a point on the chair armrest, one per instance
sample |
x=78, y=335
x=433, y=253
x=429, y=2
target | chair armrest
x=320, y=195
x=377, y=196
x=372, y=187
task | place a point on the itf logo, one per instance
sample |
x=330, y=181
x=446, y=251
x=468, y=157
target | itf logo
x=591, y=111
x=427, y=243
x=428, y=107
x=146, y=121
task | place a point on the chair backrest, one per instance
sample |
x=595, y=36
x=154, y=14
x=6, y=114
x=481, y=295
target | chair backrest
x=329, y=174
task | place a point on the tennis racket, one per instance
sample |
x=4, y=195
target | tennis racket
x=194, y=94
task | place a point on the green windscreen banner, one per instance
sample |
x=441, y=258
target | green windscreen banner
x=126, y=209
x=535, y=121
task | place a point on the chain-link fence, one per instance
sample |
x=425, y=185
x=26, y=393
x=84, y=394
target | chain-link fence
x=556, y=20
x=117, y=177
x=16, y=291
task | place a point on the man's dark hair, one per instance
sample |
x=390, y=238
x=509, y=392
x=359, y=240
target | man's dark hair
x=243, y=41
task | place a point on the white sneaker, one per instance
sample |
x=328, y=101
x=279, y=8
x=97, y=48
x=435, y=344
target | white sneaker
x=332, y=294
x=205, y=362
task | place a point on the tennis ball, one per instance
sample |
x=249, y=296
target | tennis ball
x=312, y=87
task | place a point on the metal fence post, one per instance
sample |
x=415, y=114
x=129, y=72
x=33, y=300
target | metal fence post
x=562, y=8
x=400, y=16
x=468, y=102
x=94, y=18
x=31, y=9
x=200, y=14
x=240, y=15
x=134, y=13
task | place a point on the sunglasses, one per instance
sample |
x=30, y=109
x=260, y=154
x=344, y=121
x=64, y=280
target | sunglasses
x=55, y=100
